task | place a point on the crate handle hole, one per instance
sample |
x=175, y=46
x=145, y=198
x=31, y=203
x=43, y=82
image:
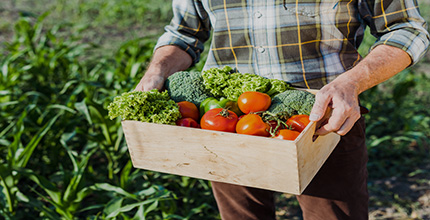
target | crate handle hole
x=314, y=138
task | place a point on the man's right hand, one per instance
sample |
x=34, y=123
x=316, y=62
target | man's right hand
x=150, y=81
x=165, y=61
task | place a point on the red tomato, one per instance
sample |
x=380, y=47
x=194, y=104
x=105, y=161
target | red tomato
x=253, y=102
x=189, y=110
x=287, y=134
x=219, y=119
x=187, y=122
x=253, y=124
x=298, y=122
x=240, y=117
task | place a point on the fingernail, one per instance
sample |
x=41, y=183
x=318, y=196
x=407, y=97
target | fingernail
x=314, y=117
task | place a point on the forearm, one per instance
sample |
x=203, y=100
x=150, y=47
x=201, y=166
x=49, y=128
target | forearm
x=165, y=61
x=382, y=63
x=168, y=60
x=341, y=95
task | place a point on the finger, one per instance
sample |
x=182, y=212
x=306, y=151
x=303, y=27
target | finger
x=152, y=84
x=349, y=122
x=334, y=123
x=347, y=126
x=321, y=103
x=139, y=87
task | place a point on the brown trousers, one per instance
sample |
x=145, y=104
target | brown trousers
x=338, y=191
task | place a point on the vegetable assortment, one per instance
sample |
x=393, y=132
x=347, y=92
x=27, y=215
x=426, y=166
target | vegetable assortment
x=222, y=100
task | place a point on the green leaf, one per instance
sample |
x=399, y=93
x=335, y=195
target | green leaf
x=23, y=158
x=151, y=207
x=7, y=183
x=67, y=85
x=83, y=109
x=44, y=183
x=102, y=123
x=125, y=173
x=141, y=213
x=61, y=107
x=72, y=191
x=129, y=207
x=135, y=69
x=9, y=103
x=113, y=205
x=110, y=188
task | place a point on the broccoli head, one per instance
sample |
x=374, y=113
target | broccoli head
x=292, y=102
x=187, y=86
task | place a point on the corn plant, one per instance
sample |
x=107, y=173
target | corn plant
x=53, y=109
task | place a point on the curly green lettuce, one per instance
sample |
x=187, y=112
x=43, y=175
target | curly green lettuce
x=149, y=106
x=216, y=79
x=224, y=82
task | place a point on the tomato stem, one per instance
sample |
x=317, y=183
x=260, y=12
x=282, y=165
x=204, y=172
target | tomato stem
x=224, y=113
x=278, y=119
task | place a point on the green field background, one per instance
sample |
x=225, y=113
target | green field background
x=63, y=61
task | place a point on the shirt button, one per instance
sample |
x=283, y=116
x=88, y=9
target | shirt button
x=261, y=50
x=258, y=14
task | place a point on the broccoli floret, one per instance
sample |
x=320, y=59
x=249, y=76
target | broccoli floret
x=292, y=102
x=187, y=86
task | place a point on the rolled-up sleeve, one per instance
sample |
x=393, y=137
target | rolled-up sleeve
x=397, y=23
x=188, y=29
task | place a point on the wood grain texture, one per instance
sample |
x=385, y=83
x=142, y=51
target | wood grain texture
x=219, y=156
x=211, y=155
x=312, y=154
x=279, y=165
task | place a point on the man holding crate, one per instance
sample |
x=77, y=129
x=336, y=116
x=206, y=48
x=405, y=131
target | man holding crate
x=310, y=44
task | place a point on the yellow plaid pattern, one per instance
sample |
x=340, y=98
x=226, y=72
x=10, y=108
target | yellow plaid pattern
x=306, y=43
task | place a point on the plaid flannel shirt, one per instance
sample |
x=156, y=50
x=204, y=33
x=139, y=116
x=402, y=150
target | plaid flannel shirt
x=306, y=43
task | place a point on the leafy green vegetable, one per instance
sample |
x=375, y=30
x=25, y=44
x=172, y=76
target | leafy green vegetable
x=277, y=86
x=150, y=106
x=187, y=86
x=223, y=82
x=292, y=102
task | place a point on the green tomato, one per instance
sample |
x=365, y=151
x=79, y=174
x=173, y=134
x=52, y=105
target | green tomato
x=211, y=103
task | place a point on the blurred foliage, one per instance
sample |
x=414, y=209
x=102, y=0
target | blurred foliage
x=62, y=158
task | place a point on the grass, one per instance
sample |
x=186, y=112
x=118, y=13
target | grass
x=62, y=158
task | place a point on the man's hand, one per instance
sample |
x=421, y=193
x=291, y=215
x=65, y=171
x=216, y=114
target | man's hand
x=342, y=100
x=150, y=81
x=166, y=61
x=340, y=97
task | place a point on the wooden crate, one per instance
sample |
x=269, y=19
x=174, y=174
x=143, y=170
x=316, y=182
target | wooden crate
x=279, y=165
